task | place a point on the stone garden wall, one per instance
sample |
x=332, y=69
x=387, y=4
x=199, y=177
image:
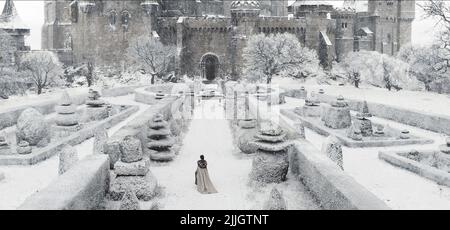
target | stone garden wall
x=8, y=117
x=394, y=157
x=424, y=120
x=54, y=147
x=119, y=91
x=331, y=186
x=83, y=187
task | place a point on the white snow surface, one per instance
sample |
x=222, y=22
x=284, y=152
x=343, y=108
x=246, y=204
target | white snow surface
x=22, y=181
x=414, y=100
x=210, y=134
x=397, y=187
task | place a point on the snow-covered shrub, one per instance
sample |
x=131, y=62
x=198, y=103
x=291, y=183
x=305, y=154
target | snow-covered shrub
x=267, y=56
x=379, y=70
x=80, y=75
x=11, y=83
x=428, y=65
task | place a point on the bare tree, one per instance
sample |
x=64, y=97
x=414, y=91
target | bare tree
x=43, y=68
x=440, y=9
x=155, y=57
x=279, y=54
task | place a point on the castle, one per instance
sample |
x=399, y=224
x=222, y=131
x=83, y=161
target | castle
x=211, y=34
x=12, y=25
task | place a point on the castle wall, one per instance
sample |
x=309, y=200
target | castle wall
x=200, y=36
x=82, y=33
x=102, y=34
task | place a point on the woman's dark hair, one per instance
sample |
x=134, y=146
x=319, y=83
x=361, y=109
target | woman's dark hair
x=202, y=157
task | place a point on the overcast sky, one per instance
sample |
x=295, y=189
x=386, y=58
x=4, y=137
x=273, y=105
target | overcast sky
x=32, y=13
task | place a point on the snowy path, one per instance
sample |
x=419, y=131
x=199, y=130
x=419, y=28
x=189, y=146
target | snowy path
x=22, y=181
x=210, y=135
x=399, y=188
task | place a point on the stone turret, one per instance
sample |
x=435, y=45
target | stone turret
x=311, y=108
x=66, y=119
x=337, y=116
x=365, y=125
x=133, y=172
x=271, y=163
x=12, y=24
x=95, y=107
x=160, y=140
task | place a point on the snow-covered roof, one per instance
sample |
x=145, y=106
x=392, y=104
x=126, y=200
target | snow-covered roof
x=366, y=30
x=310, y=2
x=326, y=38
x=245, y=5
x=358, y=5
x=10, y=19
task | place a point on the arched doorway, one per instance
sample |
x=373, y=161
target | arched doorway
x=210, y=66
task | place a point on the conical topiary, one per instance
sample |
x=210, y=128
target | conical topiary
x=271, y=163
x=276, y=201
x=160, y=140
x=129, y=201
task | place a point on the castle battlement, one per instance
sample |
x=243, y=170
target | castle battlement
x=103, y=30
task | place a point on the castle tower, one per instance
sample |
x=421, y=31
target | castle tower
x=407, y=14
x=56, y=31
x=12, y=24
x=244, y=18
x=103, y=30
x=274, y=8
x=344, y=32
x=392, y=23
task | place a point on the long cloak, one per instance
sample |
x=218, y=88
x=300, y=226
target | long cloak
x=202, y=180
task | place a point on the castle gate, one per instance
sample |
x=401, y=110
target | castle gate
x=209, y=65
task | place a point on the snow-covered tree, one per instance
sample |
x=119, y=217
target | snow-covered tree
x=426, y=63
x=266, y=56
x=11, y=83
x=152, y=55
x=378, y=69
x=7, y=49
x=43, y=69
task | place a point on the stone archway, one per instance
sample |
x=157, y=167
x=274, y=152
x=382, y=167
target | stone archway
x=209, y=65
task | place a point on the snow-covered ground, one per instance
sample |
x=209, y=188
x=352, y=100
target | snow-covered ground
x=32, y=98
x=399, y=188
x=22, y=181
x=413, y=100
x=210, y=134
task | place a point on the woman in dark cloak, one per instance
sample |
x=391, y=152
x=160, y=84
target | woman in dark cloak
x=202, y=180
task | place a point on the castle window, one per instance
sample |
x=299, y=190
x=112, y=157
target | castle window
x=125, y=20
x=112, y=18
